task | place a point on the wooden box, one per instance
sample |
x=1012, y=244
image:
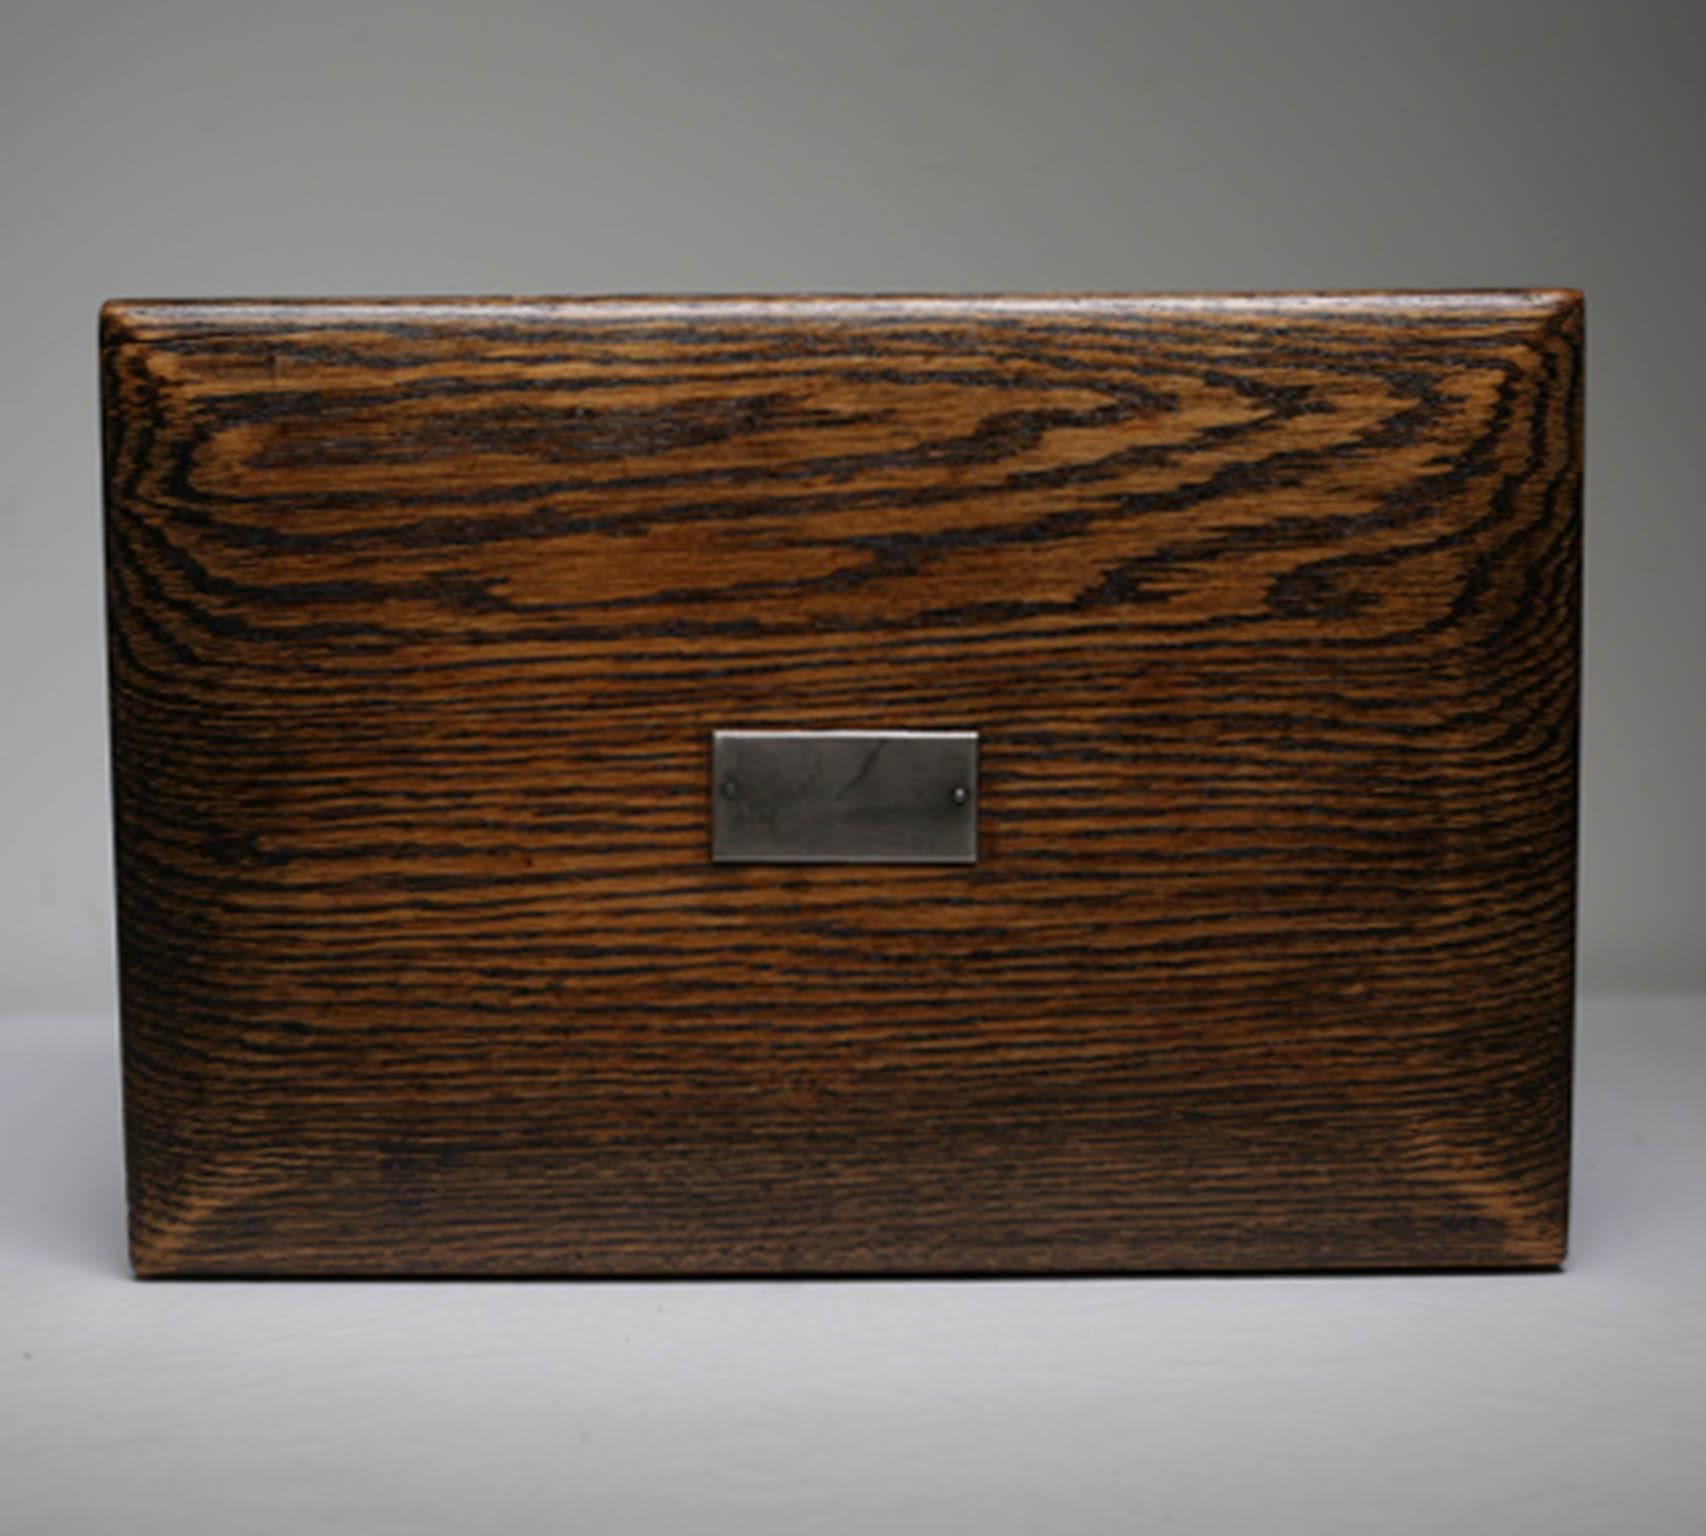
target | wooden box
x=1264, y=611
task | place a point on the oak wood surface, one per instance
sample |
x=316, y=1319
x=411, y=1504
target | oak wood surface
x=1266, y=608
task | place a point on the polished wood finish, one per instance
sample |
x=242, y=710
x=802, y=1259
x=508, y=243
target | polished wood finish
x=1266, y=608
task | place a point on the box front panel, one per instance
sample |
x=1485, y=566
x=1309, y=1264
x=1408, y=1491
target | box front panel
x=423, y=616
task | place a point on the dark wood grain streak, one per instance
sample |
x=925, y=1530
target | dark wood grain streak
x=1266, y=608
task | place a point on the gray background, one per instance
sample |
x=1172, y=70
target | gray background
x=309, y=147
x=313, y=147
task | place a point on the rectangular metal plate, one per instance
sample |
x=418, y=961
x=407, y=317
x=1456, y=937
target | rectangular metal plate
x=844, y=797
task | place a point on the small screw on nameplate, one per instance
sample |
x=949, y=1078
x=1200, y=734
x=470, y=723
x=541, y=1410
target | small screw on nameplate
x=961, y=794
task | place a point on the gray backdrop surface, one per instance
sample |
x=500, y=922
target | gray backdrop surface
x=211, y=147
x=544, y=146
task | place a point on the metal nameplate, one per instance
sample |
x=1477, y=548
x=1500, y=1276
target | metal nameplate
x=844, y=797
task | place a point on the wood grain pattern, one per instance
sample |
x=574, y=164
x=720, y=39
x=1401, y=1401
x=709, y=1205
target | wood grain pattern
x=421, y=615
